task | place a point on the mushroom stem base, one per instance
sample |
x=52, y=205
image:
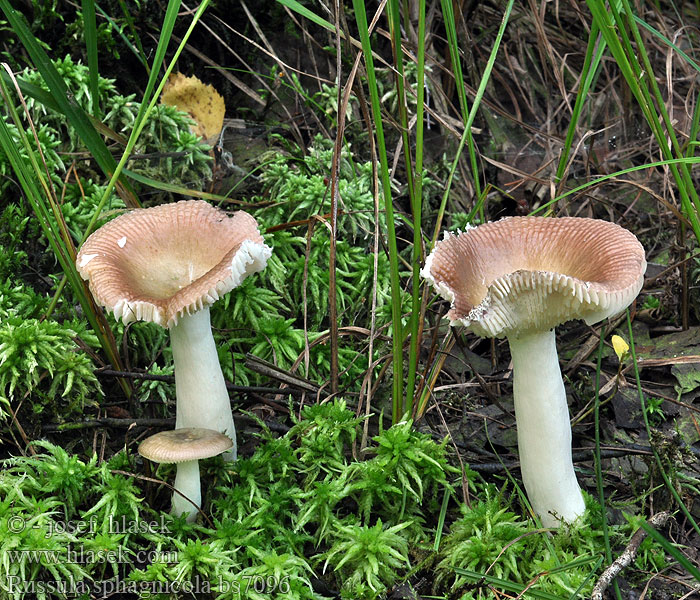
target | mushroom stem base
x=544, y=429
x=187, y=482
x=200, y=388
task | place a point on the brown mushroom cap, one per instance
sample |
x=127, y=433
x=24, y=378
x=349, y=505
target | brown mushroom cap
x=524, y=274
x=182, y=445
x=156, y=264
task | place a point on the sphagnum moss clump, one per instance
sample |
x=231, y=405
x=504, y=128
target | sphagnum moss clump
x=271, y=517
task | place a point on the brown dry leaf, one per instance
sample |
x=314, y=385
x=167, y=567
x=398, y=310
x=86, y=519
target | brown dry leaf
x=201, y=101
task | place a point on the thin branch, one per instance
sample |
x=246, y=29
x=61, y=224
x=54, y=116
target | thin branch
x=627, y=556
x=243, y=389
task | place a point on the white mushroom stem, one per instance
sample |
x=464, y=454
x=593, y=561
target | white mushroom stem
x=187, y=482
x=544, y=429
x=200, y=388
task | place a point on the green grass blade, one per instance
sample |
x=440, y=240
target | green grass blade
x=138, y=49
x=615, y=21
x=689, y=160
x=597, y=462
x=417, y=317
x=448, y=186
x=90, y=33
x=441, y=518
x=77, y=117
x=306, y=13
x=45, y=98
x=665, y=40
x=33, y=91
x=34, y=180
x=694, y=130
x=37, y=188
x=577, y=594
x=575, y=564
x=466, y=135
x=594, y=54
x=642, y=400
x=181, y=190
x=596, y=427
x=451, y=31
x=394, y=14
x=397, y=347
x=518, y=588
x=696, y=112
x=163, y=42
x=448, y=17
x=671, y=550
x=152, y=92
x=685, y=183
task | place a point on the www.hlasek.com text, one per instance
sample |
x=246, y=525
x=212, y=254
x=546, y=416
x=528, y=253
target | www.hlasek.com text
x=80, y=555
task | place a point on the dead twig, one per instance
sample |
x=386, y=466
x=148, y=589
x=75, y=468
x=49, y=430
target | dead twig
x=107, y=422
x=243, y=389
x=580, y=456
x=205, y=516
x=274, y=372
x=627, y=556
x=166, y=423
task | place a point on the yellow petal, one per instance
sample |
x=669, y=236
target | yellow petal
x=201, y=101
x=620, y=346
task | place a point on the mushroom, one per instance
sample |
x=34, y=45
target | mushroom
x=168, y=264
x=185, y=448
x=518, y=278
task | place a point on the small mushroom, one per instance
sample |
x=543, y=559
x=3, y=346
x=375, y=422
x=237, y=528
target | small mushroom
x=185, y=448
x=168, y=264
x=518, y=278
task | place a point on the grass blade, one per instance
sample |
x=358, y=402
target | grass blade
x=671, y=550
x=417, y=307
x=466, y=135
x=615, y=21
x=397, y=346
x=597, y=463
x=394, y=14
x=665, y=40
x=519, y=588
x=645, y=416
x=591, y=62
x=138, y=49
x=31, y=90
x=151, y=93
x=77, y=118
x=689, y=160
x=451, y=31
x=311, y=16
x=90, y=33
x=36, y=185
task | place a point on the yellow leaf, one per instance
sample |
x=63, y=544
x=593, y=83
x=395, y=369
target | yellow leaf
x=620, y=346
x=201, y=101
